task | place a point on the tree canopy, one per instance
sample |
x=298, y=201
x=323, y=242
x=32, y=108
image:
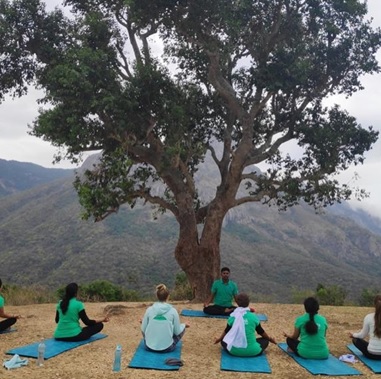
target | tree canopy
x=156, y=86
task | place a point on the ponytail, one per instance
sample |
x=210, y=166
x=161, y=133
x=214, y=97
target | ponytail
x=70, y=292
x=377, y=316
x=311, y=327
x=311, y=306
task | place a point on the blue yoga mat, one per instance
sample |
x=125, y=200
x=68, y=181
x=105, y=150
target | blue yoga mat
x=196, y=313
x=53, y=347
x=154, y=361
x=374, y=365
x=244, y=364
x=331, y=366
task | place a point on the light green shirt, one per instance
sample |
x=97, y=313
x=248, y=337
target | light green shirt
x=224, y=292
x=313, y=346
x=253, y=348
x=68, y=324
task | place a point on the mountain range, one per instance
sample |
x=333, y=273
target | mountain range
x=44, y=241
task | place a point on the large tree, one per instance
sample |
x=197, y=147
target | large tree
x=158, y=85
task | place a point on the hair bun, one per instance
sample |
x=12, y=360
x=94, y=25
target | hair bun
x=161, y=287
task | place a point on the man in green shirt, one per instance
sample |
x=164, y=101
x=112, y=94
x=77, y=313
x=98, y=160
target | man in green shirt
x=223, y=292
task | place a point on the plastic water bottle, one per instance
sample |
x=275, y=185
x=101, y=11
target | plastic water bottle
x=117, y=359
x=41, y=353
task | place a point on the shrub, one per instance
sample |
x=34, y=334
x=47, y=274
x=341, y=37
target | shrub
x=182, y=290
x=330, y=295
x=298, y=296
x=102, y=290
x=367, y=297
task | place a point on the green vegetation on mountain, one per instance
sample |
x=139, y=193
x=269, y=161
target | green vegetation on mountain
x=44, y=241
x=19, y=176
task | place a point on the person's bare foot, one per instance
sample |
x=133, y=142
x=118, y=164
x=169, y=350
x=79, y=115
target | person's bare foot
x=229, y=310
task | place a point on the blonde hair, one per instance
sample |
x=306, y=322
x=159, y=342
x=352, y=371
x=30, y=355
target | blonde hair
x=162, y=292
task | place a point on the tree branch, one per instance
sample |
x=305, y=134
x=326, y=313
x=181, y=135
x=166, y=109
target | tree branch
x=124, y=65
x=158, y=201
x=223, y=87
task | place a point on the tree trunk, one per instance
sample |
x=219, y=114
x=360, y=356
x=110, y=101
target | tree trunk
x=202, y=267
x=200, y=259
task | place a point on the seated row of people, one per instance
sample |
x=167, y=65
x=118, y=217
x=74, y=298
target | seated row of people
x=308, y=339
x=162, y=329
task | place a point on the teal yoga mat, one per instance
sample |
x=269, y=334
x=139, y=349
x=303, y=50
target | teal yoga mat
x=374, y=365
x=331, y=366
x=197, y=313
x=145, y=359
x=53, y=347
x=244, y=364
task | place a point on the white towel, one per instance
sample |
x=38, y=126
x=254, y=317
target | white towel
x=348, y=358
x=236, y=336
x=15, y=362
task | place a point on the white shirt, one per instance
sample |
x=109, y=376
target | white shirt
x=374, y=346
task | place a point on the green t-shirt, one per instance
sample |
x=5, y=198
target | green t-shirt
x=312, y=346
x=68, y=324
x=224, y=292
x=2, y=302
x=253, y=348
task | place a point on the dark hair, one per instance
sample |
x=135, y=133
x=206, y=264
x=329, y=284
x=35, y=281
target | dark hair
x=1, y=283
x=377, y=316
x=71, y=291
x=311, y=305
x=242, y=300
x=225, y=269
x=162, y=292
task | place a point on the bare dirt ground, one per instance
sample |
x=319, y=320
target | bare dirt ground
x=201, y=357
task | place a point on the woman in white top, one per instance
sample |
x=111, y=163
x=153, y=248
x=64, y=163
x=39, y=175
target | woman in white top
x=371, y=328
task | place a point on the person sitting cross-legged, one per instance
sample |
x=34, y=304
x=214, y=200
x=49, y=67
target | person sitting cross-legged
x=161, y=325
x=69, y=312
x=239, y=338
x=223, y=292
x=372, y=329
x=311, y=328
x=9, y=319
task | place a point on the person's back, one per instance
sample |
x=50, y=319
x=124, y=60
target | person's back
x=311, y=328
x=68, y=313
x=253, y=348
x=239, y=336
x=68, y=324
x=161, y=326
x=313, y=346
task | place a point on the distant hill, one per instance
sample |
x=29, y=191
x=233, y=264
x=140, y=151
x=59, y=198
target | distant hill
x=19, y=176
x=43, y=240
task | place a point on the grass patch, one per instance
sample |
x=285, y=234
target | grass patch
x=17, y=295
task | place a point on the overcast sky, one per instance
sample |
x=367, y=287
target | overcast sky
x=16, y=115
